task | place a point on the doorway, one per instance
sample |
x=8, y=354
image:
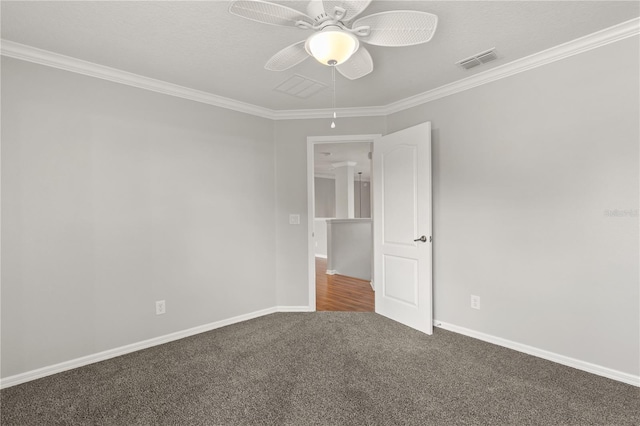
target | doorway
x=337, y=281
x=401, y=222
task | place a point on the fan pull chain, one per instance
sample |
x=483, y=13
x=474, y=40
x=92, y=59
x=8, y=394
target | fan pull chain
x=333, y=78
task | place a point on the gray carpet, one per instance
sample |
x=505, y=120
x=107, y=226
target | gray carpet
x=326, y=368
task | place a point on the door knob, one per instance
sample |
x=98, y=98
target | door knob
x=423, y=239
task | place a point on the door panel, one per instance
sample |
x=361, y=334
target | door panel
x=400, y=270
x=402, y=214
x=399, y=170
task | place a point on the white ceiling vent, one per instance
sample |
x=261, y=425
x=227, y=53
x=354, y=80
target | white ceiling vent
x=300, y=87
x=478, y=59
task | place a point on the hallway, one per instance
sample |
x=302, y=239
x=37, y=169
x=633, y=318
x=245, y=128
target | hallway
x=341, y=293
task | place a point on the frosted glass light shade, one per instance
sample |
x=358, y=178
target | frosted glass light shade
x=331, y=45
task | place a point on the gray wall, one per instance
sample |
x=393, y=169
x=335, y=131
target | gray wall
x=366, y=198
x=525, y=170
x=350, y=247
x=325, y=197
x=115, y=197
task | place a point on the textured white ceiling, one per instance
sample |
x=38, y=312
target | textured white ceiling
x=201, y=46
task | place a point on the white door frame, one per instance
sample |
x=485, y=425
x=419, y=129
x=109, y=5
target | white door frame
x=311, y=209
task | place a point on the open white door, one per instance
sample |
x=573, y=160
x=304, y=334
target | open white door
x=402, y=226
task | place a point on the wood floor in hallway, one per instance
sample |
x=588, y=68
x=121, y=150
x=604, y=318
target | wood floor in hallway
x=341, y=293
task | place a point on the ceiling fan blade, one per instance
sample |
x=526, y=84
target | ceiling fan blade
x=267, y=13
x=288, y=57
x=359, y=65
x=398, y=27
x=352, y=8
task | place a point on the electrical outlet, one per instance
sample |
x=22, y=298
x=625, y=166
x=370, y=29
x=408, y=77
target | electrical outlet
x=160, y=307
x=294, y=219
x=475, y=302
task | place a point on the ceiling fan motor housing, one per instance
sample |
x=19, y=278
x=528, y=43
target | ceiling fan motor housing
x=315, y=10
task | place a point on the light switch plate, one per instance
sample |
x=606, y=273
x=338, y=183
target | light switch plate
x=475, y=302
x=294, y=219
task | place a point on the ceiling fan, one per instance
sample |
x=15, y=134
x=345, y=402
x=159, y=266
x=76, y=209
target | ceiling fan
x=336, y=38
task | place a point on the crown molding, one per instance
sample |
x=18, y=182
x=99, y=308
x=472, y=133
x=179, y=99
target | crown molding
x=343, y=164
x=302, y=114
x=580, y=45
x=55, y=60
x=583, y=44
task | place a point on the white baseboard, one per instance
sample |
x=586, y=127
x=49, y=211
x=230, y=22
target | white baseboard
x=331, y=272
x=540, y=353
x=323, y=256
x=112, y=353
x=373, y=287
x=133, y=347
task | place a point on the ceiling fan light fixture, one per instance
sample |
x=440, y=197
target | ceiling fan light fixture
x=332, y=46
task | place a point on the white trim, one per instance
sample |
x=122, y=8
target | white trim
x=311, y=140
x=133, y=347
x=301, y=114
x=541, y=353
x=580, y=45
x=344, y=164
x=322, y=256
x=331, y=272
x=311, y=261
x=55, y=60
x=123, y=350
